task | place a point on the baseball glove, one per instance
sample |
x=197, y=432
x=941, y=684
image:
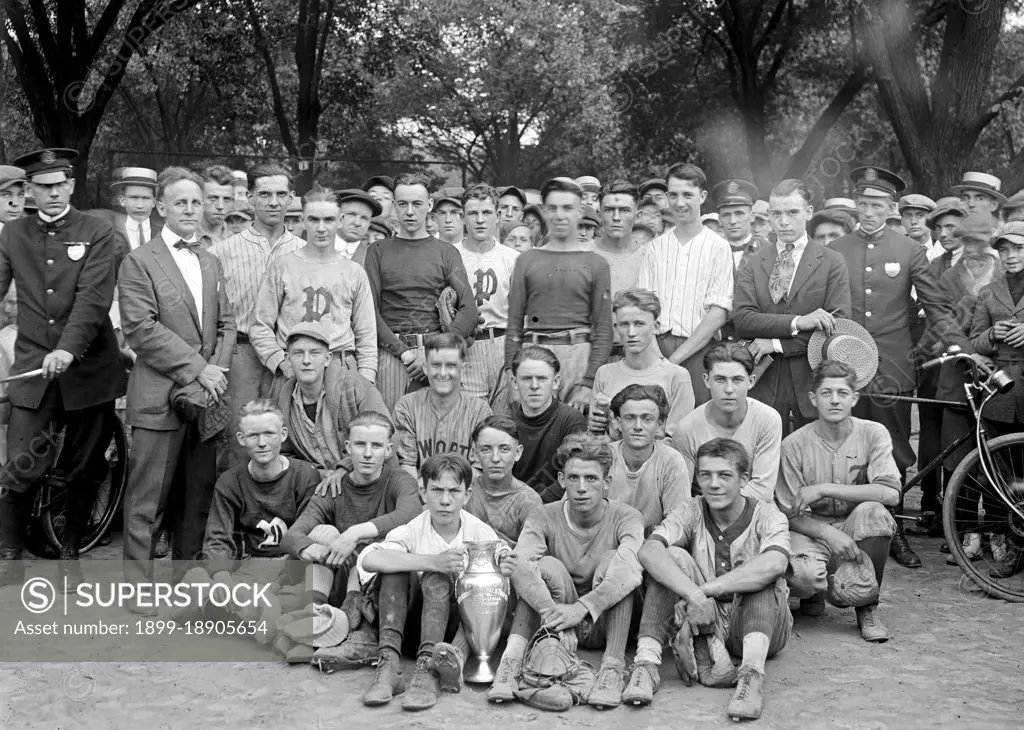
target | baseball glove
x=447, y=308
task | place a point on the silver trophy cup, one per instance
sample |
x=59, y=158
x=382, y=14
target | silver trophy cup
x=482, y=593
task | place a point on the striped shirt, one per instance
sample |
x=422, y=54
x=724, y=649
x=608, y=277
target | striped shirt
x=689, y=278
x=244, y=258
x=421, y=431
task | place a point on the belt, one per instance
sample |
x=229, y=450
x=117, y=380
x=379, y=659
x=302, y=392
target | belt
x=491, y=333
x=242, y=338
x=413, y=340
x=577, y=337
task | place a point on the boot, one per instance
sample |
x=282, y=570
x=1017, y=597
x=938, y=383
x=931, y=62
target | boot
x=749, y=696
x=871, y=629
x=70, y=569
x=644, y=679
x=12, y=569
x=448, y=664
x=901, y=552
x=388, y=680
x=505, y=681
x=424, y=689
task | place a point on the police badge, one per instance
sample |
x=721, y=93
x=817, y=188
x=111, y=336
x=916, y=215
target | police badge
x=892, y=270
x=76, y=251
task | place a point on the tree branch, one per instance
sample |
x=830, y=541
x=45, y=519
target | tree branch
x=46, y=40
x=773, y=22
x=275, y=89
x=107, y=21
x=992, y=110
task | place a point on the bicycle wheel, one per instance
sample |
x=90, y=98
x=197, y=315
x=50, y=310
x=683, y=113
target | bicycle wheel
x=972, y=505
x=109, y=495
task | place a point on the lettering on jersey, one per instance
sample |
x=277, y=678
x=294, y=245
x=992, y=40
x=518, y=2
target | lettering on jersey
x=430, y=447
x=485, y=286
x=318, y=304
x=273, y=531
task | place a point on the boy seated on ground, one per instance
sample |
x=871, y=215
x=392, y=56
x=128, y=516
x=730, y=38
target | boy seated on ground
x=252, y=508
x=331, y=531
x=647, y=474
x=576, y=576
x=415, y=569
x=836, y=478
x=718, y=565
x=498, y=498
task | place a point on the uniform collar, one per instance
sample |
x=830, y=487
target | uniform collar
x=871, y=235
x=47, y=219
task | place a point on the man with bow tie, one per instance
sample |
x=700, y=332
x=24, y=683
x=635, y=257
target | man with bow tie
x=63, y=262
x=175, y=316
x=884, y=267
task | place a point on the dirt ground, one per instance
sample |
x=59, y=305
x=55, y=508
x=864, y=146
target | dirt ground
x=954, y=661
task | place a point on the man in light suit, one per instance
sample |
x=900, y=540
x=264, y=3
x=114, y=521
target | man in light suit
x=176, y=318
x=783, y=293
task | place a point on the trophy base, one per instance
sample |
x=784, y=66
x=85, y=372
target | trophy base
x=477, y=670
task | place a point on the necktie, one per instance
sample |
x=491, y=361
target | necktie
x=782, y=274
x=190, y=245
x=947, y=260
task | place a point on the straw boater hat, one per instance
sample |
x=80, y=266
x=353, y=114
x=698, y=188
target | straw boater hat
x=981, y=182
x=844, y=204
x=135, y=176
x=849, y=343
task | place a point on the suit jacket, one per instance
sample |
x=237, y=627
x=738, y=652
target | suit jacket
x=64, y=275
x=995, y=304
x=119, y=221
x=820, y=281
x=884, y=267
x=161, y=324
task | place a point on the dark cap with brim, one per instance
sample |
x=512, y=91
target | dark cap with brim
x=877, y=182
x=734, y=192
x=359, y=196
x=49, y=166
x=381, y=225
x=943, y=210
x=513, y=190
x=380, y=181
x=655, y=183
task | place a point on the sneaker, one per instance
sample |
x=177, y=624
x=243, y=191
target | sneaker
x=357, y=651
x=972, y=548
x=871, y=629
x=448, y=663
x=814, y=606
x=686, y=662
x=712, y=672
x=607, y=690
x=644, y=679
x=424, y=689
x=505, y=681
x=749, y=696
x=388, y=680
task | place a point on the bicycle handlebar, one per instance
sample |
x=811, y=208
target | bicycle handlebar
x=957, y=356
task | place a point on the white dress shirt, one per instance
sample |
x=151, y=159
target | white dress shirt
x=188, y=264
x=799, y=246
x=132, y=228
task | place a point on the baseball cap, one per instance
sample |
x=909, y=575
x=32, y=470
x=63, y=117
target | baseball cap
x=308, y=329
x=1012, y=231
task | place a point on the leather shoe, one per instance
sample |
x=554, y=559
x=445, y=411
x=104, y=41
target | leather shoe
x=901, y=552
x=12, y=569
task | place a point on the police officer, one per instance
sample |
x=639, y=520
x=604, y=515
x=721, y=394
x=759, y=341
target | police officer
x=884, y=267
x=63, y=262
x=734, y=200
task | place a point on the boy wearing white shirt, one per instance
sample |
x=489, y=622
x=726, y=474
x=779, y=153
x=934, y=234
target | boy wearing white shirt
x=419, y=563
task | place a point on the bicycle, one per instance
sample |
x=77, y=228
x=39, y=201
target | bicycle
x=46, y=522
x=985, y=493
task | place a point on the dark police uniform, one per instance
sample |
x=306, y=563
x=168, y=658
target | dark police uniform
x=64, y=271
x=738, y=192
x=884, y=266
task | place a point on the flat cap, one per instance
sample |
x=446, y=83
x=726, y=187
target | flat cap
x=356, y=195
x=10, y=175
x=916, y=202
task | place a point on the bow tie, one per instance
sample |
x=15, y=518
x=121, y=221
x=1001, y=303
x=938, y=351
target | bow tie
x=744, y=247
x=190, y=245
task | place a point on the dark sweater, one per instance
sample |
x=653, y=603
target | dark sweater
x=388, y=502
x=240, y=504
x=406, y=278
x=540, y=438
x=553, y=291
